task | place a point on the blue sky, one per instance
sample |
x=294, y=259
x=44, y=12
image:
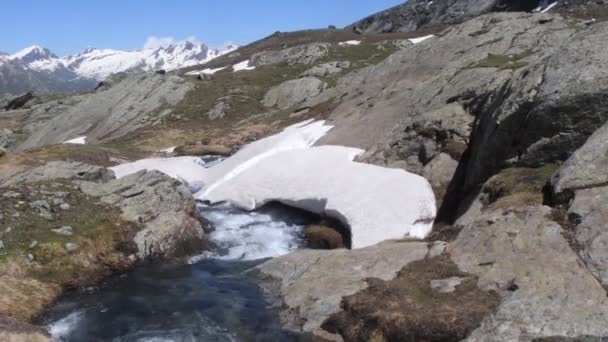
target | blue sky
x=67, y=26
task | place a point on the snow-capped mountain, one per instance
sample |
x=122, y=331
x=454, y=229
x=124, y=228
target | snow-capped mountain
x=37, y=68
x=100, y=63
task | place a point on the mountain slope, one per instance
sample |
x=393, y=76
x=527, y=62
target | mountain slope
x=418, y=14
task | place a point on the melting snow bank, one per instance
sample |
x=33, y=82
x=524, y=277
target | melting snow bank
x=350, y=42
x=420, y=39
x=244, y=65
x=376, y=203
x=79, y=140
x=204, y=71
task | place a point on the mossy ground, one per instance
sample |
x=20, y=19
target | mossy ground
x=518, y=185
x=36, y=259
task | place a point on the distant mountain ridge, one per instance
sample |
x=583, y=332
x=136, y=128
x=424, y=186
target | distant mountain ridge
x=36, y=68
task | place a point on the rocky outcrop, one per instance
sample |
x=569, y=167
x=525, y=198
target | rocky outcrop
x=302, y=54
x=546, y=291
x=311, y=284
x=19, y=101
x=429, y=300
x=326, y=69
x=58, y=170
x=132, y=103
x=581, y=185
x=424, y=14
x=499, y=90
x=293, y=92
x=7, y=138
x=164, y=208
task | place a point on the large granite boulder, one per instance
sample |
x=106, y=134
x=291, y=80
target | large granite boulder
x=302, y=54
x=546, y=290
x=293, y=92
x=161, y=205
x=581, y=185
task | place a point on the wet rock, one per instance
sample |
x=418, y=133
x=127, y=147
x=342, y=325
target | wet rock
x=164, y=208
x=65, y=231
x=323, y=237
x=411, y=308
x=293, y=92
x=311, y=283
x=546, y=291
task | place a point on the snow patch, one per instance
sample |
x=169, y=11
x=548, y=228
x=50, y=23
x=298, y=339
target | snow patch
x=420, y=39
x=350, y=42
x=205, y=71
x=80, y=140
x=244, y=65
x=168, y=150
x=549, y=7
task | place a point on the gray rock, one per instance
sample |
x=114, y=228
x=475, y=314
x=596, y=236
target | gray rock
x=64, y=206
x=439, y=172
x=586, y=168
x=1, y=244
x=326, y=69
x=521, y=254
x=65, y=231
x=312, y=283
x=7, y=139
x=581, y=184
x=302, y=54
x=446, y=285
x=58, y=170
x=33, y=244
x=521, y=83
x=417, y=14
x=218, y=111
x=131, y=103
x=11, y=194
x=293, y=92
x=71, y=247
x=164, y=208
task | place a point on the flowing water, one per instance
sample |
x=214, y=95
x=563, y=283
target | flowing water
x=210, y=299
